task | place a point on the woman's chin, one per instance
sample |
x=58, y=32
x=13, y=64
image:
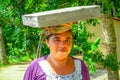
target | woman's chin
x=62, y=54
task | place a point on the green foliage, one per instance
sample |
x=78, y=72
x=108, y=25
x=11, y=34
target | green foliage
x=118, y=12
x=32, y=38
x=108, y=62
x=20, y=42
x=111, y=62
x=45, y=50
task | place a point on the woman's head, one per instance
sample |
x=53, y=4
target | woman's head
x=60, y=44
x=59, y=40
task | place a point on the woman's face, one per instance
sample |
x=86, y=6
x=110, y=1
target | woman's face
x=60, y=45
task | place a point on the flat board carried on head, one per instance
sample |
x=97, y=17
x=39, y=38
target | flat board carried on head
x=60, y=16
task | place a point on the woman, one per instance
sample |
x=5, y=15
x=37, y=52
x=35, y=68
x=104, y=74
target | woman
x=58, y=65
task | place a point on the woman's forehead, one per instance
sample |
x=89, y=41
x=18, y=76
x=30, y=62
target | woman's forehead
x=66, y=34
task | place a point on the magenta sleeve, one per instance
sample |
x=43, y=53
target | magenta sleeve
x=85, y=71
x=34, y=72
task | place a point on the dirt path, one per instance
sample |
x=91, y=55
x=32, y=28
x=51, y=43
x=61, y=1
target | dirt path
x=16, y=72
x=13, y=72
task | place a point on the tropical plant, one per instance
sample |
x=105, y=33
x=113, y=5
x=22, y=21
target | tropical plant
x=20, y=41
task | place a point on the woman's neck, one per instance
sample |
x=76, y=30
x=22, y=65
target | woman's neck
x=67, y=65
x=57, y=62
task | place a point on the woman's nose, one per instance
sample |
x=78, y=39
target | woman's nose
x=63, y=44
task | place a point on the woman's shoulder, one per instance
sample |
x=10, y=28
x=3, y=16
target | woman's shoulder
x=36, y=61
x=84, y=68
x=79, y=60
x=34, y=70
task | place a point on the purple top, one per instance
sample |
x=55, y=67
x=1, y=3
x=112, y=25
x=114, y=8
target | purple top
x=35, y=72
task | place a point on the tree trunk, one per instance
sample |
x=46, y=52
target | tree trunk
x=114, y=11
x=39, y=48
x=110, y=38
x=3, y=57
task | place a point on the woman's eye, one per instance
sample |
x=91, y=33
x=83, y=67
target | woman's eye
x=68, y=41
x=57, y=40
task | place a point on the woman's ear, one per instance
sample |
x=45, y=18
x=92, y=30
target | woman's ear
x=47, y=42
